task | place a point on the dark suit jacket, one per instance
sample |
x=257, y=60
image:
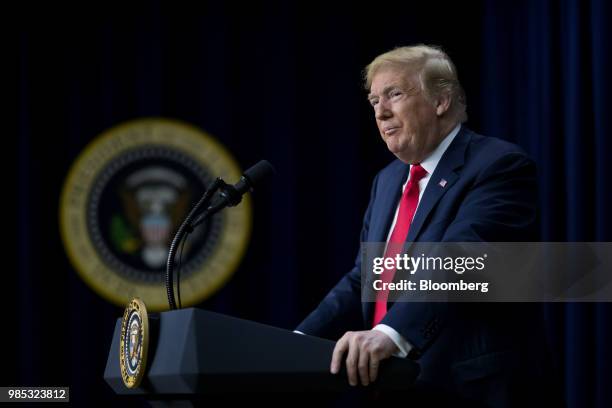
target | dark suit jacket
x=493, y=353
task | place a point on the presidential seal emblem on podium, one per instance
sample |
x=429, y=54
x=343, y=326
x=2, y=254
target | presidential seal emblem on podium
x=134, y=343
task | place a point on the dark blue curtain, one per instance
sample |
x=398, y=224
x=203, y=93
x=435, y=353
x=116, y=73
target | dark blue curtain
x=282, y=82
x=545, y=85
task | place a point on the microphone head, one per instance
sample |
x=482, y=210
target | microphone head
x=258, y=172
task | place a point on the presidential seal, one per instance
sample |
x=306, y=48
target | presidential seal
x=125, y=197
x=134, y=343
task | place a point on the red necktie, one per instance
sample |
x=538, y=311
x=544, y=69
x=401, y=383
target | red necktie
x=407, y=208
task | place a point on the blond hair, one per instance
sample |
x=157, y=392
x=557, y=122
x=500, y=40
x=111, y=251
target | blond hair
x=437, y=73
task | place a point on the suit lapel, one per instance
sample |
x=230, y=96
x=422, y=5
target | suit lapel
x=389, y=195
x=441, y=180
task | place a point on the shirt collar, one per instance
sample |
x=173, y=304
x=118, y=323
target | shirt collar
x=431, y=162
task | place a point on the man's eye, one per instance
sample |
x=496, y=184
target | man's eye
x=373, y=102
x=395, y=93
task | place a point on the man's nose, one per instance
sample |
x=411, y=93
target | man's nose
x=382, y=110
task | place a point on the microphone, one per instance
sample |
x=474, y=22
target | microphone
x=230, y=196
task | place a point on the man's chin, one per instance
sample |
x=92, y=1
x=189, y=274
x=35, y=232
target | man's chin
x=404, y=159
x=403, y=155
x=395, y=148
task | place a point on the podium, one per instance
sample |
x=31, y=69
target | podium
x=196, y=352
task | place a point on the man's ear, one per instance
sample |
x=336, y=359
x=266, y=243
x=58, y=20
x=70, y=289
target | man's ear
x=443, y=103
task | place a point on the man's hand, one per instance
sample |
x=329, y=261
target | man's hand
x=365, y=351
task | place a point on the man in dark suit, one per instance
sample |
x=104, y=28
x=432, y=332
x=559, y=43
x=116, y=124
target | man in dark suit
x=449, y=184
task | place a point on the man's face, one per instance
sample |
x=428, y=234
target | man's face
x=407, y=120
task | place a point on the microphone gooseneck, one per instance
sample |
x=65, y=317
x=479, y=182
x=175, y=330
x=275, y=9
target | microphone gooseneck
x=229, y=196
